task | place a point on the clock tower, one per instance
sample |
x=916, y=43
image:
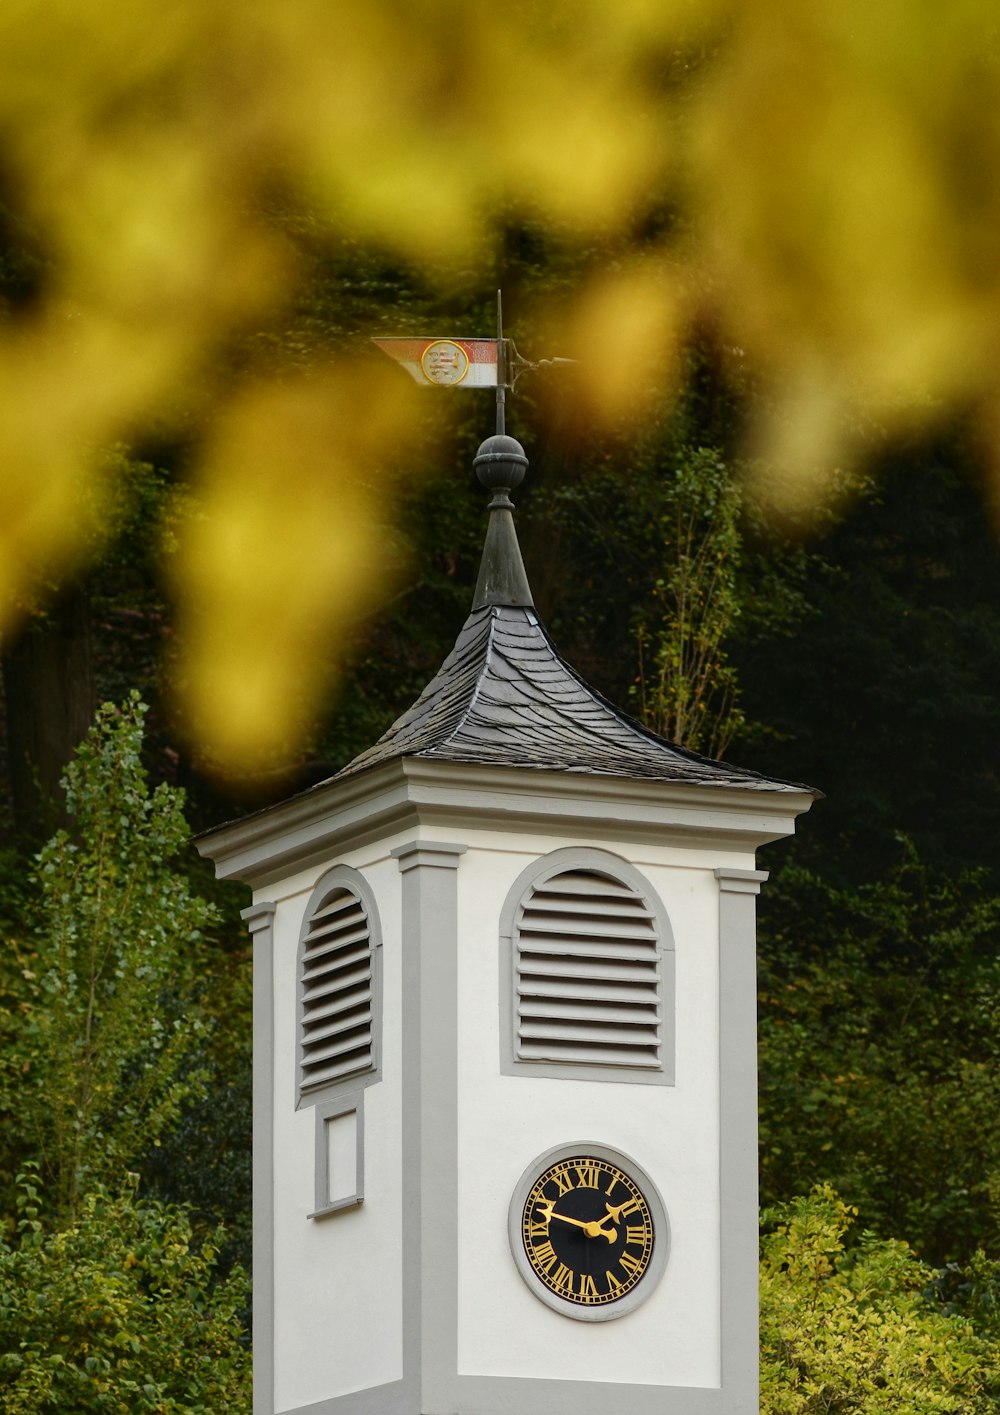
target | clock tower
x=504, y=1049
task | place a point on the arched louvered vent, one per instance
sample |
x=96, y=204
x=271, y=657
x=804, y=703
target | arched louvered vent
x=336, y=991
x=587, y=973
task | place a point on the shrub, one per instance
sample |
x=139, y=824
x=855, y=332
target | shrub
x=855, y=1331
x=118, y=1313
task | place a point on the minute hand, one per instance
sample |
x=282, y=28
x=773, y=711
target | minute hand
x=593, y=1229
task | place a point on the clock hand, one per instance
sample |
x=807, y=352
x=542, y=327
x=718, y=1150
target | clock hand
x=591, y=1228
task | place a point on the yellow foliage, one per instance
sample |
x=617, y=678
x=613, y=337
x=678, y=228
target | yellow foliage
x=834, y=166
x=287, y=548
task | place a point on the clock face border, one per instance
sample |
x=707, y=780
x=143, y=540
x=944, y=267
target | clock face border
x=644, y=1288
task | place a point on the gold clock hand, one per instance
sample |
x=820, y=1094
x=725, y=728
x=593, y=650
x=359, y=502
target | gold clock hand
x=591, y=1228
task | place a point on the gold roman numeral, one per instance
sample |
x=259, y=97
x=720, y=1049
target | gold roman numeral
x=634, y=1234
x=544, y=1255
x=630, y=1264
x=562, y=1181
x=588, y=1288
x=613, y=1284
x=588, y=1176
x=538, y=1228
x=562, y=1278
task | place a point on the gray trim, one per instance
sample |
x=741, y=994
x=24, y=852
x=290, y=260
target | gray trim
x=430, y=1120
x=389, y=1399
x=260, y=922
x=351, y=879
x=516, y=1395
x=436, y=854
x=585, y=858
x=740, y=881
x=661, y=1229
x=415, y=794
x=738, y=1131
x=352, y=1103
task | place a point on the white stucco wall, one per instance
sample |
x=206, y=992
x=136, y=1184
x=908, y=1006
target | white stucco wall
x=337, y=1302
x=336, y=1279
x=505, y=1122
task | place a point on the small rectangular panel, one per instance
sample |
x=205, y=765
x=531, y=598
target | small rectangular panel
x=339, y=1154
x=341, y=1157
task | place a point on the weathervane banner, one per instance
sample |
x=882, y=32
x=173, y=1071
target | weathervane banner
x=446, y=363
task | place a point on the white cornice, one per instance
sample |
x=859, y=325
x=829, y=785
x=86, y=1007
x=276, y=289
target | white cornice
x=411, y=791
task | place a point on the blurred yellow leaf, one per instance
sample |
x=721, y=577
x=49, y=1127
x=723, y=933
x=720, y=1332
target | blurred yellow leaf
x=830, y=174
x=287, y=547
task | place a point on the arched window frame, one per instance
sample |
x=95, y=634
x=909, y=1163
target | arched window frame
x=339, y=877
x=537, y=873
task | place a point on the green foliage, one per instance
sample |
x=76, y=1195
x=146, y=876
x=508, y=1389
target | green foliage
x=205, y=1160
x=880, y=1052
x=101, y=1003
x=687, y=688
x=118, y=1313
x=881, y=691
x=649, y=536
x=853, y=1331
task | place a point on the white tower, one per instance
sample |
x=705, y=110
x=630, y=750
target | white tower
x=505, y=1152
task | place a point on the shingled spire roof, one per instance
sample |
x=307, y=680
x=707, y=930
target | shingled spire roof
x=504, y=697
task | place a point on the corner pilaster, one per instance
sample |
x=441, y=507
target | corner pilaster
x=259, y=919
x=430, y=1118
x=738, y=1127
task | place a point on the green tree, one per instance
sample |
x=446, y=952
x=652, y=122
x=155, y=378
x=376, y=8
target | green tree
x=879, y=687
x=687, y=688
x=880, y=1052
x=102, y=998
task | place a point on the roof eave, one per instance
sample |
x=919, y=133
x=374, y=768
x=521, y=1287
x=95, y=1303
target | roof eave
x=417, y=792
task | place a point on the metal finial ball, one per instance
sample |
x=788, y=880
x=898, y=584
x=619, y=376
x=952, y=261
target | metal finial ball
x=500, y=462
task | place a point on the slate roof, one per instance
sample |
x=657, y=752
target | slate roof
x=504, y=697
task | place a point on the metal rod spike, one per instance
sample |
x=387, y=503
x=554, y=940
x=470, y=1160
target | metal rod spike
x=501, y=370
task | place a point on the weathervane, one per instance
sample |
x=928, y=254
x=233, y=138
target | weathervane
x=466, y=363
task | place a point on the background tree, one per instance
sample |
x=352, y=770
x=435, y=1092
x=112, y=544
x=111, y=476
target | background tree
x=102, y=995
x=108, y=1298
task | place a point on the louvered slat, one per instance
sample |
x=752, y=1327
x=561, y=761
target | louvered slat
x=355, y=1044
x=336, y=960
x=567, y=988
x=594, y=908
x=559, y=926
x=339, y=1003
x=560, y=1010
x=588, y=978
x=336, y=935
x=591, y=1055
x=605, y=970
x=337, y=906
x=583, y=882
x=336, y=991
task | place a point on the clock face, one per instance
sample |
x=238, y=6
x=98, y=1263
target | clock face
x=591, y=1232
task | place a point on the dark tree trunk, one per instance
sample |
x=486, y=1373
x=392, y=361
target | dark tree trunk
x=48, y=681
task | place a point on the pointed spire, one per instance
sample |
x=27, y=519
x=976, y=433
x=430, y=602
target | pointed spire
x=500, y=465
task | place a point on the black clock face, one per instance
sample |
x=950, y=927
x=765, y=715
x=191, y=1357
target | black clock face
x=587, y=1231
